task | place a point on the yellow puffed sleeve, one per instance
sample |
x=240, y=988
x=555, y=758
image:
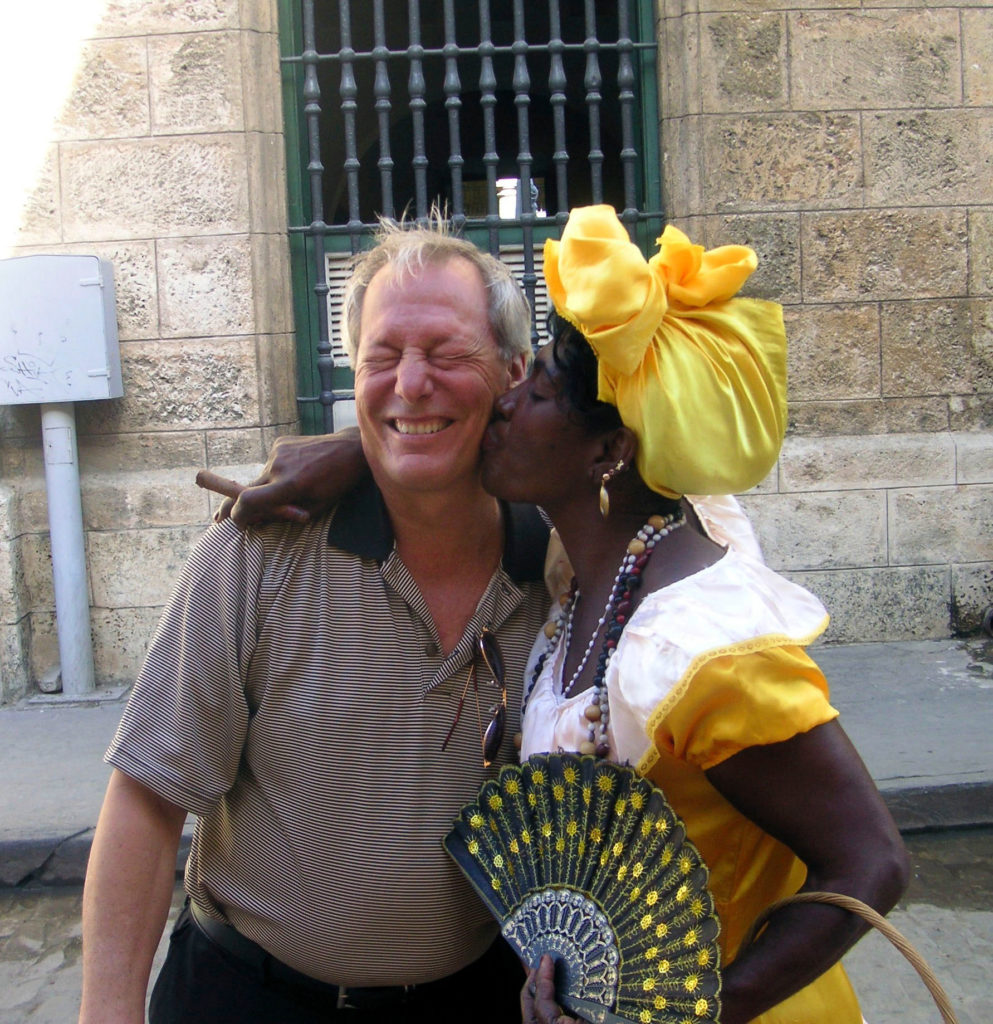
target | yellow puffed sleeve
x=745, y=700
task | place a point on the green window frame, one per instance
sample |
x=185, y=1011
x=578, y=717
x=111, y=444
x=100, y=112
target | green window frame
x=461, y=104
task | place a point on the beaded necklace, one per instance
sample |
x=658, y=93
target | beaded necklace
x=615, y=616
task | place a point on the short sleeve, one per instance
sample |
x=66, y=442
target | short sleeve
x=184, y=725
x=744, y=700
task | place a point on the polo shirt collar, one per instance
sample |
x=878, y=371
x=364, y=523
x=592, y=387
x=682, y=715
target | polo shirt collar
x=361, y=525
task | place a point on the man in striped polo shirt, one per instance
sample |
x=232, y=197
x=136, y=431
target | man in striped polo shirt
x=314, y=695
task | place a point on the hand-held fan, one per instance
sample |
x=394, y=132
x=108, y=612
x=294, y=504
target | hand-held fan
x=585, y=859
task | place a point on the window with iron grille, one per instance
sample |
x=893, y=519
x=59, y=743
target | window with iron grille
x=505, y=113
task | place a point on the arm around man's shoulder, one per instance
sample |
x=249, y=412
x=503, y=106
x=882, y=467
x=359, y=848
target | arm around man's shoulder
x=302, y=478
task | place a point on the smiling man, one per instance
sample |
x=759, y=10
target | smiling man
x=316, y=695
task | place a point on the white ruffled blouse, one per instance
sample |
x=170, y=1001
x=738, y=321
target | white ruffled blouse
x=736, y=605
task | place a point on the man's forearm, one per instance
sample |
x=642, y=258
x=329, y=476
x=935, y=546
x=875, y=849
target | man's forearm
x=126, y=898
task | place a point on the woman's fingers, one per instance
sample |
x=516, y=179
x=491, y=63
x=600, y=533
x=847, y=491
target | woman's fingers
x=224, y=510
x=546, y=1008
x=528, y=1015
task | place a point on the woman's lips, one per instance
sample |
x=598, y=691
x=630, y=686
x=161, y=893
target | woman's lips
x=492, y=438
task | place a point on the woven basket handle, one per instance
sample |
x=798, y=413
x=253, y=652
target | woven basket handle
x=879, y=923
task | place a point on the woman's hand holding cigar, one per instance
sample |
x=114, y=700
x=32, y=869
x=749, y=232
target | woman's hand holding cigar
x=232, y=491
x=304, y=477
x=218, y=484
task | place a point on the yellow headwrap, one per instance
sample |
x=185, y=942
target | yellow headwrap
x=697, y=375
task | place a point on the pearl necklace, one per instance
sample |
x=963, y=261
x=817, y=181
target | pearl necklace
x=615, y=615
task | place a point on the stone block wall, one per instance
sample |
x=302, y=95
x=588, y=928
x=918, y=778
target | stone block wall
x=851, y=143
x=168, y=160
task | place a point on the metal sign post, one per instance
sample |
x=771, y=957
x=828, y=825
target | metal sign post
x=58, y=345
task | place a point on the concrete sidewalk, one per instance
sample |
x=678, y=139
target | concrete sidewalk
x=920, y=713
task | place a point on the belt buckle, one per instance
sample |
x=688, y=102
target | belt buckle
x=373, y=998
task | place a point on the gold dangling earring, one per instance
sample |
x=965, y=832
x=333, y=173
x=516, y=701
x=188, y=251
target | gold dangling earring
x=604, y=496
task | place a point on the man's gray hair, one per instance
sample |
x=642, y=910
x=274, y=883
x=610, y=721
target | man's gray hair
x=407, y=248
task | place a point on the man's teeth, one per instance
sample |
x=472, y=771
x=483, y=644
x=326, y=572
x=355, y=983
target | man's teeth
x=420, y=426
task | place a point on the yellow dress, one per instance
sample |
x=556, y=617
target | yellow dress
x=706, y=667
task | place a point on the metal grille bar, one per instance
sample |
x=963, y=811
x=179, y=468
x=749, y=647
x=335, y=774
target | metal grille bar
x=383, y=107
x=349, y=106
x=525, y=189
x=557, y=83
x=625, y=84
x=453, y=104
x=416, y=87
x=315, y=172
x=592, y=83
x=488, y=101
x=427, y=53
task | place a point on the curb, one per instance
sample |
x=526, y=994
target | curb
x=934, y=808
x=45, y=863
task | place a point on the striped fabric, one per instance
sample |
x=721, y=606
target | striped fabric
x=295, y=698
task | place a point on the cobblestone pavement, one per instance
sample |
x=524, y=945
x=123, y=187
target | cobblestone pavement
x=40, y=954
x=947, y=915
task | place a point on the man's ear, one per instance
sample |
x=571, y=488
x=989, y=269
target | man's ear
x=517, y=369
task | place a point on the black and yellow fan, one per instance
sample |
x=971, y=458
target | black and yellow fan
x=585, y=859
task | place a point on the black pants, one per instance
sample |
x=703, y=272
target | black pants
x=201, y=983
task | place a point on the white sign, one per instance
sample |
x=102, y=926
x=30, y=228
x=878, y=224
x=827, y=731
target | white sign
x=58, y=330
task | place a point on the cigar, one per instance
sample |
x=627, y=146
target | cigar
x=218, y=484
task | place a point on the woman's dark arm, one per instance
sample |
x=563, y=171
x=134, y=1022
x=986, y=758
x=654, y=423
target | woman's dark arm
x=303, y=477
x=813, y=794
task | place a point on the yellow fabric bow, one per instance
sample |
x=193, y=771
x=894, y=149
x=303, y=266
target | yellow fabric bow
x=699, y=376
